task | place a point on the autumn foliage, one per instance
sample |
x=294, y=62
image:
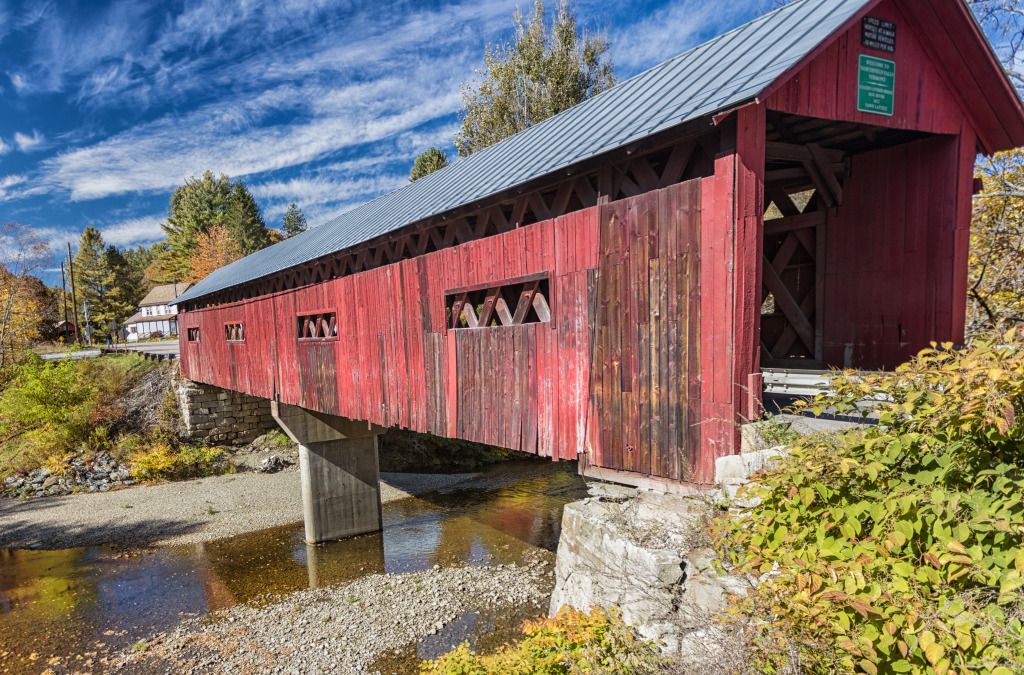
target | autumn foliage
x=21, y=254
x=214, y=249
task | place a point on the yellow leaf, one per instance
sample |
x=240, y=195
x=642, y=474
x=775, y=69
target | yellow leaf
x=956, y=547
x=934, y=652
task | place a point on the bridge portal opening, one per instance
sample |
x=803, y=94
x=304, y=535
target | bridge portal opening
x=858, y=239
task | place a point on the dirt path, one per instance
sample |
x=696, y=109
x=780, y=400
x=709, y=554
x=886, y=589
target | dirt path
x=178, y=513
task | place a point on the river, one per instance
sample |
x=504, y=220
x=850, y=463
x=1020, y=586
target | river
x=71, y=603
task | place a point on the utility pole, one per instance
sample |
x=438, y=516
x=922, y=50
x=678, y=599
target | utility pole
x=64, y=290
x=74, y=300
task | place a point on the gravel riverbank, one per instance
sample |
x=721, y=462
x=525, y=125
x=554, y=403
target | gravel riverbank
x=178, y=513
x=341, y=629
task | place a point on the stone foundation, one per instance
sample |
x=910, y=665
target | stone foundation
x=636, y=556
x=220, y=416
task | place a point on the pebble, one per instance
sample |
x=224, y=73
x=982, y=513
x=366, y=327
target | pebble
x=339, y=629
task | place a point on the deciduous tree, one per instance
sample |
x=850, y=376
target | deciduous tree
x=427, y=163
x=214, y=249
x=22, y=252
x=545, y=69
x=996, y=272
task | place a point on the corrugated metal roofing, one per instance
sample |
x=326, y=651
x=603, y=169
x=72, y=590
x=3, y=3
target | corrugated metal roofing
x=728, y=70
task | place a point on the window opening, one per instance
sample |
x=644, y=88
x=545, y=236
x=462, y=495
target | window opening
x=193, y=335
x=234, y=332
x=319, y=326
x=512, y=303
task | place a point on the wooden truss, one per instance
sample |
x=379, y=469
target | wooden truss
x=321, y=326
x=483, y=306
x=609, y=181
x=234, y=332
x=794, y=253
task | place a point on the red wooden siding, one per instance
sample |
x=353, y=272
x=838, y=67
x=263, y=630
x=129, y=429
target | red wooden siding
x=897, y=254
x=645, y=363
x=827, y=87
x=731, y=240
x=628, y=272
x=651, y=357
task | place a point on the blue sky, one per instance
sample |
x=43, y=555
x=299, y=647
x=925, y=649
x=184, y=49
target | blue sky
x=106, y=107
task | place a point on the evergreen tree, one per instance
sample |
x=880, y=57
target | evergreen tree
x=294, y=221
x=427, y=163
x=545, y=70
x=195, y=206
x=106, y=280
x=123, y=289
x=245, y=221
x=90, y=273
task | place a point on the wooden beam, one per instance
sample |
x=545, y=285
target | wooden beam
x=561, y=200
x=783, y=202
x=789, y=152
x=797, y=222
x=502, y=311
x=487, y=311
x=645, y=176
x=585, y=192
x=822, y=161
x=540, y=209
x=677, y=163
x=789, y=305
x=540, y=305
x=525, y=301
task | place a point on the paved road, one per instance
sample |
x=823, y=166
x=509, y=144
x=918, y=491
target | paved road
x=165, y=347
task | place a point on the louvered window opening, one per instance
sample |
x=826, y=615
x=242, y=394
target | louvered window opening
x=193, y=335
x=512, y=303
x=320, y=326
x=234, y=332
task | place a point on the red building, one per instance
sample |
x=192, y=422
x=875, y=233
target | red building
x=608, y=284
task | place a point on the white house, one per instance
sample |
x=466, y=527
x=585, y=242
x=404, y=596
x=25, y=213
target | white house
x=156, y=317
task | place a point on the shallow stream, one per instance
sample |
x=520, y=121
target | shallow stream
x=77, y=602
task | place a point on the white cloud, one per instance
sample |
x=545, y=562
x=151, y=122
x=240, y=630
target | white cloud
x=321, y=190
x=133, y=231
x=25, y=142
x=4, y=147
x=17, y=80
x=673, y=29
x=7, y=182
x=57, y=238
x=158, y=155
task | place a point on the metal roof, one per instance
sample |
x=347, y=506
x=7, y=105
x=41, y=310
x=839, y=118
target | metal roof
x=730, y=69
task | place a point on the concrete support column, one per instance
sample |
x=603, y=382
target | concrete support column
x=338, y=467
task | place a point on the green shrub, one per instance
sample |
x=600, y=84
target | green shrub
x=896, y=549
x=160, y=460
x=573, y=642
x=51, y=408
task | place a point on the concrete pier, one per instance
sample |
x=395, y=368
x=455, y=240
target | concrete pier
x=338, y=467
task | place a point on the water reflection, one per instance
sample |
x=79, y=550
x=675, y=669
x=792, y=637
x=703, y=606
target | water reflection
x=63, y=603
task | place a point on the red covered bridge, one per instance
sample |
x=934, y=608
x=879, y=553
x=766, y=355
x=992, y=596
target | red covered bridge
x=607, y=285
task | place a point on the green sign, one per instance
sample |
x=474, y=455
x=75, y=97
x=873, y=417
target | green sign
x=876, y=85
